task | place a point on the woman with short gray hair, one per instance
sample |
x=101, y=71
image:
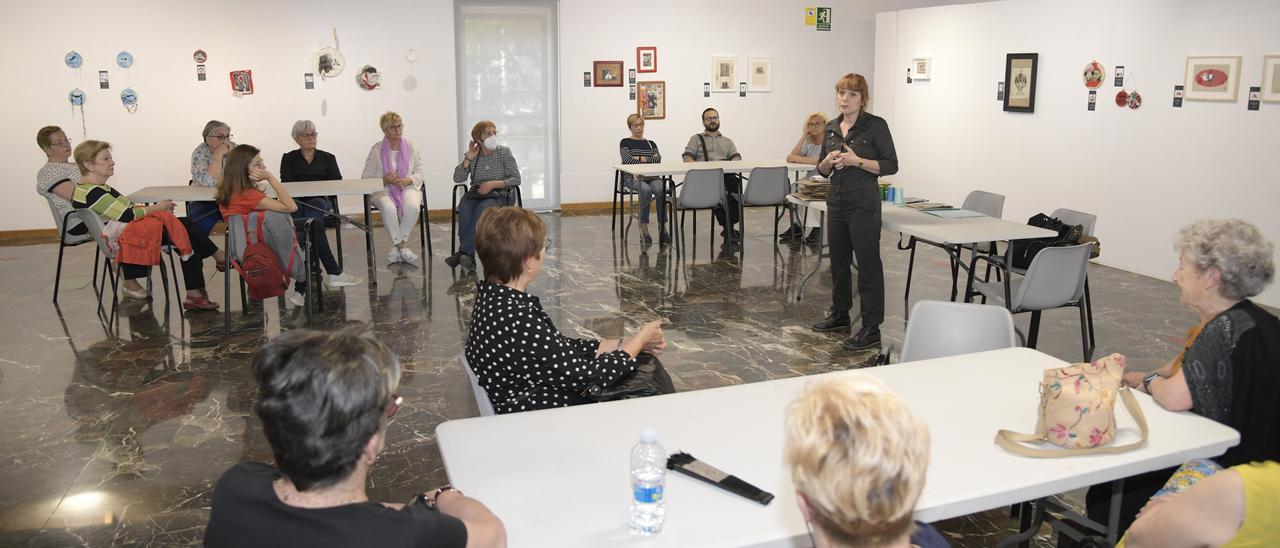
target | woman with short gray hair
x=206, y=169
x=308, y=163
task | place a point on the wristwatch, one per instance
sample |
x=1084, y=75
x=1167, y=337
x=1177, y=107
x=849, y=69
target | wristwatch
x=860, y=162
x=1146, y=381
x=431, y=501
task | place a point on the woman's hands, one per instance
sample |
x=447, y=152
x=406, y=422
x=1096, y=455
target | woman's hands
x=257, y=174
x=1133, y=379
x=651, y=337
x=489, y=186
x=840, y=159
x=473, y=150
x=162, y=205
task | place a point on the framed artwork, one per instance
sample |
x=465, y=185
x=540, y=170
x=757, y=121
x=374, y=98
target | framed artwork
x=922, y=67
x=724, y=74
x=1020, y=81
x=242, y=82
x=608, y=74
x=1271, y=78
x=647, y=58
x=759, y=74
x=1212, y=78
x=651, y=99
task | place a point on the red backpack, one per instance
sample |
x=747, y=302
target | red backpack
x=260, y=267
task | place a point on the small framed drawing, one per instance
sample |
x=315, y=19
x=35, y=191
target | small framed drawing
x=651, y=99
x=759, y=74
x=607, y=74
x=1212, y=78
x=1271, y=78
x=922, y=67
x=1020, y=81
x=724, y=75
x=647, y=58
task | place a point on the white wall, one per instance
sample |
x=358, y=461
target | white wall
x=1145, y=173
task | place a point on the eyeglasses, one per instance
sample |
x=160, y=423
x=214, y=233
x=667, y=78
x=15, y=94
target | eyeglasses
x=711, y=119
x=59, y=143
x=311, y=135
x=396, y=127
x=226, y=137
x=396, y=401
x=813, y=124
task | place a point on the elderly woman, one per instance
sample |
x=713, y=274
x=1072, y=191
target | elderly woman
x=58, y=177
x=638, y=150
x=307, y=163
x=315, y=494
x=140, y=230
x=535, y=366
x=490, y=167
x=399, y=163
x=1234, y=507
x=857, y=457
x=206, y=169
x=808, y=150
x=1228, y=372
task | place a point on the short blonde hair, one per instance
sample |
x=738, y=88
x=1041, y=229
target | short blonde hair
x=858, y=456
x=633, y=118
x=855, y=82
x=479, y=129
x=389, y=119
x=86, y=152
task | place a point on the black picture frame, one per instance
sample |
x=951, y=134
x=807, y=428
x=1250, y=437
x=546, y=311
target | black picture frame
x=1020, y=83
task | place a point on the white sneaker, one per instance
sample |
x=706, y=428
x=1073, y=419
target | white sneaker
x=296, y=299
x=393, y=256
x=341, y=280
x=408, y=256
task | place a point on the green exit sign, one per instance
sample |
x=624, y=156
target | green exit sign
x=824, y=19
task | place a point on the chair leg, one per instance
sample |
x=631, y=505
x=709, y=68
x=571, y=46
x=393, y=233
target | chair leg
x=1088, y=303
x=911, y=266
x=226, y=285
x=57, y=276
x=97, y=253
x=337, y=230
x=1085, y=343
x=177, y=289
x=1033, y=332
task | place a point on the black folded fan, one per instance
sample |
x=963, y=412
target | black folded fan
x=694, y=468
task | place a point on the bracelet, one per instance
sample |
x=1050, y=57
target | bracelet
x=431, y=502
x=1146, y=381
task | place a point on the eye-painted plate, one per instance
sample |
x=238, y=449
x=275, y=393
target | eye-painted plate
x=124, y=59
x=1211, y=78
x=74, y=59
x=1093, y=75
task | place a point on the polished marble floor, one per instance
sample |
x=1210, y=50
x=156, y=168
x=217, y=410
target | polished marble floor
x=114, y=435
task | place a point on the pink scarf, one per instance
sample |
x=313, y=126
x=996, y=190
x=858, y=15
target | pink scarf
x=396, y=192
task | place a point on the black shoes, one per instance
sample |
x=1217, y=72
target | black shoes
x=792, y=234
x=815, y=236
x=645, y=238
x=468, y=262
x=864, y=338
x=832, y=323
x=453, y=260
x=665, y=238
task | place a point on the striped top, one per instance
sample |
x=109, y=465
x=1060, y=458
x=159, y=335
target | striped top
x=645, y=149
x=106, y=202
x=500, y=165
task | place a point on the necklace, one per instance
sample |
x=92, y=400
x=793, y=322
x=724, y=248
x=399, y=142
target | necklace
x=293, y=498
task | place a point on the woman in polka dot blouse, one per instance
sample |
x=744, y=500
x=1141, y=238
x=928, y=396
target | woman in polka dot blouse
x=519, y=357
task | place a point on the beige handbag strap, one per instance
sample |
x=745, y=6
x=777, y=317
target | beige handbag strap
x=1011, y=441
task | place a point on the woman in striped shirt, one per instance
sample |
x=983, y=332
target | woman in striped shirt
x=638, y=150
x=492, y=170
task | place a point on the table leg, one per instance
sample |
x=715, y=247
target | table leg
x=368, y=239
x=822, y=246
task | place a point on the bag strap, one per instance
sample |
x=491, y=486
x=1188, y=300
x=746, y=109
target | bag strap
x=1012, y=441
x=705, y=155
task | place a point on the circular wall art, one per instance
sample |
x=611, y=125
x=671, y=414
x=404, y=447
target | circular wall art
x=369, y=78
x=129, y=98
x=76, y=97
x=411, y=56
x=1135, y=100
x=329, y=62
x=74, y=59
x=200, y=56
x=124, y=59
x=1094, y=73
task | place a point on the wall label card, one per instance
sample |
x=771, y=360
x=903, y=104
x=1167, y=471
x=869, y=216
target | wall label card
x=586, y=79
x=631, y=76
x=103, y=80
x=1119, y=76
x=1000, y=91
x=1177, y=96
x=706, y=89
x=633, y=92
x=742, y=89
x=200, y=73
x=309, y=80
x=1255, y=97
x=1093, y=99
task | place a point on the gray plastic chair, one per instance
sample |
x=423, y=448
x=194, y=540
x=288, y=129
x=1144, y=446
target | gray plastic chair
x=981, y=201
x=482, y=398
x=701, y=189
x=1055, y=279
x=1088, y=221
x=986, y=203
x=940, y=328
x=766, y=186
x=69, y=240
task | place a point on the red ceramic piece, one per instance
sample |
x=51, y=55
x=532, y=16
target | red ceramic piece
x=1211, y=78
x=1122, y=98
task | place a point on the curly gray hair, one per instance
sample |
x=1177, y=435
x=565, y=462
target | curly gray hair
x=1236, y=248
x=302, y=126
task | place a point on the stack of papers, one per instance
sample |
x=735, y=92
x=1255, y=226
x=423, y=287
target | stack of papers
x=926, y=206
x=954, y=213
x=811, y=191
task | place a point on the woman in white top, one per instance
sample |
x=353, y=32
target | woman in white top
x=806, y=151
x=397, y=161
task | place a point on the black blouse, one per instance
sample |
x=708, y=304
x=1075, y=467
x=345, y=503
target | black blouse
x=523, y=362
x=870, y=140
x=294, y=168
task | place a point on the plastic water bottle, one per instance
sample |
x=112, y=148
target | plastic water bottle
x=648, y=483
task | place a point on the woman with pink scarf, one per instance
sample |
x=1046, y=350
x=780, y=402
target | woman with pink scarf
x=397, y=161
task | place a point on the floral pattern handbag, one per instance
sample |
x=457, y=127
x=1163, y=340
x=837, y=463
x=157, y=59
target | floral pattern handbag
x=1077, y=411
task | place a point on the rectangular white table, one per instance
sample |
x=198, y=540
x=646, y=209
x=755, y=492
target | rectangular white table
x=559, y=477
x=302, y=189
x=948, y=234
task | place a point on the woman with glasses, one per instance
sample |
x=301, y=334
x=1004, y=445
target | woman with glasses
x=307, y=163
x=315, y=494
x=206, y=169
x=491, y=168
x=807, y=151
x=398, y=162
x=57, y=178
x=638, y=150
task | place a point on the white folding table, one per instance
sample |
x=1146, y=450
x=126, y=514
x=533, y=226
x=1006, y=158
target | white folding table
x=559, y=477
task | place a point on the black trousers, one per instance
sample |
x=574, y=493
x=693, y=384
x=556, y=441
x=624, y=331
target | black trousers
x=192, y=268
x=853, y=218
x=732, y=187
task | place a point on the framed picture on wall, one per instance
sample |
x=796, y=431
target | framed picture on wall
x=607, y=74
x=923, y=67
x=1020, y=81
x=647, y=58
x=759, y=74
x=651, y=100
x=724, y=74
x=1212, y=78
x=1271, y=78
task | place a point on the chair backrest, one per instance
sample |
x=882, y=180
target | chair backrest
x=74, y=220
x=98, y=230
x=939, y=328
x=1073, y=217
x=986, y=203
x=1056, y=277
x=482, y=397
x=702, y=188
x=767, y=186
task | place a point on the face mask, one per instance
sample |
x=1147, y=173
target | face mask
x=491, y=142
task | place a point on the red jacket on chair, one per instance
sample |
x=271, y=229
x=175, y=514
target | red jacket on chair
x=140, y=241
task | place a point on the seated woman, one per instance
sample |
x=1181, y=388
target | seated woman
x=857, y=457
x=57, y=179
x=1235, y=507
x=397, y=161
x=315, y=495
x=145, y=228
x=238, y=194
x=206, y=168
x=307, y=163
x=638, y=150
x=490, y=167
x=1228, y=371
x=534, y=366
x=806, y=151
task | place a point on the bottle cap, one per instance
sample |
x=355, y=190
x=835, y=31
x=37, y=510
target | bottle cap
x=648, y=435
